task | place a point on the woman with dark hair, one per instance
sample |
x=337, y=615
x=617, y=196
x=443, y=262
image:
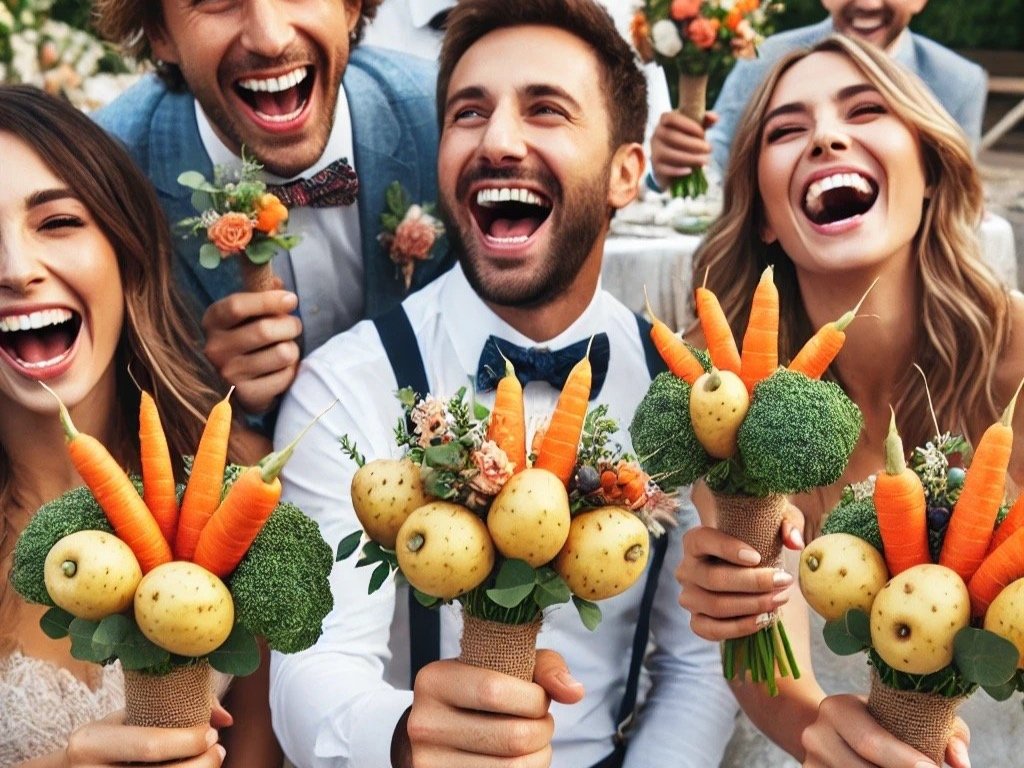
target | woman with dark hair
x=846, y=171
x=87, y=303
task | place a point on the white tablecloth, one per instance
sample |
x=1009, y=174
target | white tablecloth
x=664, y=266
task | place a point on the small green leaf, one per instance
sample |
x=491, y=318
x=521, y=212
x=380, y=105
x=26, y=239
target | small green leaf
x=551, y=589
x=427, y=601
x=984, y=657
x=515, y=573
x=136, y=651
x=55, y=623
x=445, y=456
x=480, y=411
x=380, y=573
x=349, y=545
x=239, y=655
x=590, y=614
x=202, y=200
x=192, y=179
x=849, y=635
x=110, y=632
x=510, y=597
x=82, y=647
x=260, y=251
x=396, y=199
x=1001, y=692
x=389, y=221
x=209, y=256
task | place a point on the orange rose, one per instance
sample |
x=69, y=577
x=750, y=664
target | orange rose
x=733, y=18
x=640, y=31
x=230, y=233
x=270, y=214
x=749, y=5
x=703, y=32
x=681, y=10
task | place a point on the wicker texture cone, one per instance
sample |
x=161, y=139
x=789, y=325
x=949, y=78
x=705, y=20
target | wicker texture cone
x=507, y=648
x=258, y=277
x=180, y=699
x=922, y=720
x=692, y=97
x=755, y=520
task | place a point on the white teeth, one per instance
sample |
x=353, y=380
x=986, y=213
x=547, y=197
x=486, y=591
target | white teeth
x=276, y=84
x=280, y=118
x=853, y=180
x=508, y=240
x=488, y=197
x=44, y=363
x=34, y=320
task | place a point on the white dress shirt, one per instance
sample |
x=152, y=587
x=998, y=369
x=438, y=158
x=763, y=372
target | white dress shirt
x=337, y=704
x=325, y=269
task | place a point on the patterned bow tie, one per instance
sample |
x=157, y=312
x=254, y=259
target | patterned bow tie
x=336, y=184
x=540, y=363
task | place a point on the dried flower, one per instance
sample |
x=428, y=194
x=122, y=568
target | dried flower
x=271, y=213
x=230, y=233
x=410, y=232
x=493, y=468
x=430, y=418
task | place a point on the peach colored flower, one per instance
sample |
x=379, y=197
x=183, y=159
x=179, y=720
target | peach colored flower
x=743, y=43
x=681, y=10
x=640, y=32
x=230, y=233
x=493, y=468
x=733, y=18
x=430, y=418
x=703, y=32
x=412, y=240
x=271, y=213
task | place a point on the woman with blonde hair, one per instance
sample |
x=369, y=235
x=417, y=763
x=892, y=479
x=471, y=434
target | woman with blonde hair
x=86, y=305
x=846, y=171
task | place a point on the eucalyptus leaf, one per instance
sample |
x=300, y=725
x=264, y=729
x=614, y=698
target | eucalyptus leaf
x=380, y=573
x=515, y=573
x=202, y=200
x=984, y=657
x=239, y=655
x=192, y=179
x=590, y=614
x=372, y=553
x=209, y=256
x=349, y=545
x=510, y=597
x=82, y=647
x=55, y=623
x=427, y=601
x=849, y=635
x=1001, y=692
x=261, y=251
x=444, y=456
x=389, y=221
x=136, y=651
x=110, y=632
x=551, y=589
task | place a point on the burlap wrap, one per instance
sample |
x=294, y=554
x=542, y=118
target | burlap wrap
x=180, y=699
x=693, y=96
x=257, y=278
x=508, y=648
x=755, y=520
x=922, y=720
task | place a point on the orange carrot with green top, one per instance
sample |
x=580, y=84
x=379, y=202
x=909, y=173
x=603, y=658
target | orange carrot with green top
x=158, y=489
x=721, y=343
x=1013, y=521
x=1000, y=568
x=673, y=350
x=901, y=508
x=561, y=441
x=974, y=515
x=113, y=490
x=821, y=349
x=760, y=356
x=507, y=424
x=206, y=481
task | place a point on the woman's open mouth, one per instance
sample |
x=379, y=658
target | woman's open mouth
x=839, y=197
x=40, y=343
x=509, y=215
x=277, y=100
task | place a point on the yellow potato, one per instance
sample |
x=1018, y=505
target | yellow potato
x=718, y=404
x=384, y=492
x=839, y=572
x=184, y=608
x=529, y=518
x=915, y=617
x=1005, y=616
x=444, y=550
x=91, y=574
x=605, y=553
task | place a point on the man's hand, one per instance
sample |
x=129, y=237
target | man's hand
x=846, y=736
x=251, y=341
x=678, y=146
x=477, y=718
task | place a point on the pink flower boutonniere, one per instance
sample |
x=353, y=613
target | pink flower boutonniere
x=410, y=231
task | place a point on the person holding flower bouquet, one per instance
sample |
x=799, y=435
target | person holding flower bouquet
x=533, y=161
x=857, y=181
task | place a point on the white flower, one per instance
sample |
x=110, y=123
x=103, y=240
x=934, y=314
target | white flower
x=666, y=38
x=726, y=5
x=6, y=19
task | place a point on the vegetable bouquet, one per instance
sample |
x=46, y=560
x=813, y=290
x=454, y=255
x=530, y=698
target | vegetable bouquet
x=926, y=573
x=466, y=515
x=753, y=432
x=172, y=589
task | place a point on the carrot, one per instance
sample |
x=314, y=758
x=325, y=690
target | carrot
x=206, y=481
x=1013, y=521
x=901, y=508
x=821, y=349
x=1001, y=567
x=974, y=515
x=562, y=439
x=721, y=343
x=760, y=356
x=157, y=471
x=114, y=492
x=507, y=425
x=677, y=356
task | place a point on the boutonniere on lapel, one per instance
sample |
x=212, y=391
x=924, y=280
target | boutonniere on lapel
x=410, y=231
x=237, y=216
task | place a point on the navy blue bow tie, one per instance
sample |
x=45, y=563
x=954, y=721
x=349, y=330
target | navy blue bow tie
x=541, y=363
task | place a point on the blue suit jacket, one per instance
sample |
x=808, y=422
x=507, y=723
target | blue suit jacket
x=958, y=84
x=394, y=133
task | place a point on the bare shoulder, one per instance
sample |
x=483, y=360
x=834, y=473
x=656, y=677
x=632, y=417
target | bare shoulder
x=1011, y=366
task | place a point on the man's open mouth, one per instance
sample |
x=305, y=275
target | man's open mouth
x=509, y=215
x=39, y=340
x=278, y=99
x=838, y=197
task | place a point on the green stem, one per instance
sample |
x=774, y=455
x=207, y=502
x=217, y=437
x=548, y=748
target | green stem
x=693, y=184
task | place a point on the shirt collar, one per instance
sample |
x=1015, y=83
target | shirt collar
x=339, y=143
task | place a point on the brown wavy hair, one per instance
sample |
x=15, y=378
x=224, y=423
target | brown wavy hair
x=124, y=23
x=964, y=319
x=158, y=345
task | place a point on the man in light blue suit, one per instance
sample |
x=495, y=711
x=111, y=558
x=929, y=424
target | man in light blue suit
x=959, y=85
x=287, y=81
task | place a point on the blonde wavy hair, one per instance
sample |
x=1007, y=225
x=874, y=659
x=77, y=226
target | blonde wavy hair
x=964, y=320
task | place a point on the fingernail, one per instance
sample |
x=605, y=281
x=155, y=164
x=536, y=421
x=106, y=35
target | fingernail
x=749, y=557
x=782, y=578
x=568, y=680
x=924, y=764
x=291, y=301
x=960, y=752
x=221, y=751
x=763, y=619
x=211, y=737
x=796, y=538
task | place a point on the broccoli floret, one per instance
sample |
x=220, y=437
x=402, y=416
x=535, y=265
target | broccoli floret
x=798, y=433
x=69, y=513
x=856, y=517
x=281, y=587
x=663, y=435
